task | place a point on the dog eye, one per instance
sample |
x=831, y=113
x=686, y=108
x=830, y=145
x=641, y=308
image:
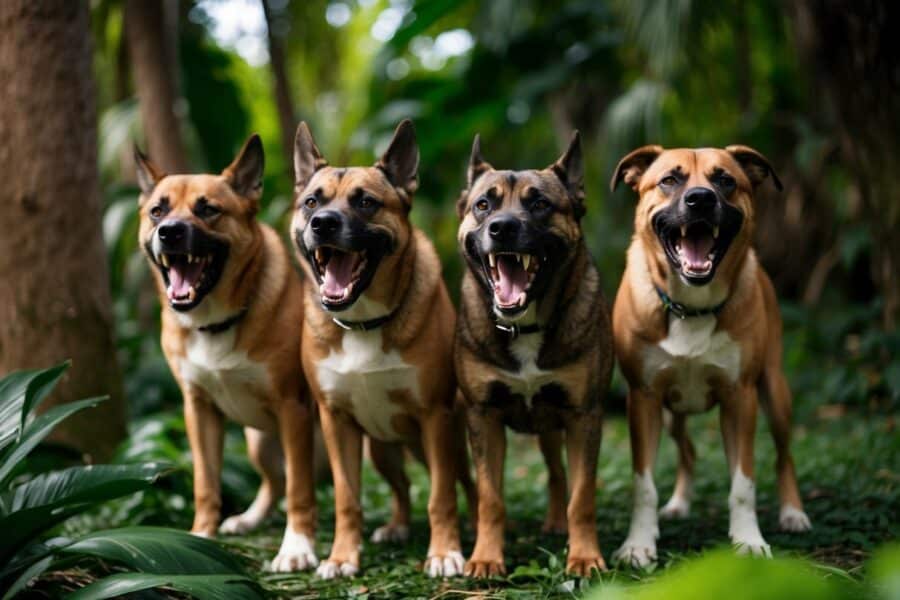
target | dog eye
x=311, y=202
x=156, y=212
x=540, y=205
x=366, y=202
x=669, y=180
x=727, y=181
x=482, y=204
x=206, y=211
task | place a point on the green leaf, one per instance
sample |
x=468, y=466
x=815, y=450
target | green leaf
x=20, y=392
x=27, y=575
x=158, y=550
x=205, y=587
x=33, y=433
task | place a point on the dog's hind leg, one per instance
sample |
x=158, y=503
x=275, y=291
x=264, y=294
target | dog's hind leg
x=264, y=450
x=388, y=460
x=679, y=505
x=551, y=443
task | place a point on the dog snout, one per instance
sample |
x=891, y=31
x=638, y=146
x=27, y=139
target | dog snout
x=700, y=199
x=172, y=233
x=325, y=223
x=504, y=228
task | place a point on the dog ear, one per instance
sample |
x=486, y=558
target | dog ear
x=754, y=164
x=570, y=170
x=307, y=158
x=245, y=173
x=148, y=174
x=632, y=167
x=477, y=165
x=400, y=162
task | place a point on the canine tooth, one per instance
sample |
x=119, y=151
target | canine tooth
x=684, y=231
x=716, y=232
x=522, y=300
x=192, y=293
x=492, y=259
x=518, y=257
x=164, y=260
x=526, y=261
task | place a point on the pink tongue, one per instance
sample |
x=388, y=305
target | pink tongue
x=696, y=250
x=338, y=273
x=513, y=279
x=181, y=277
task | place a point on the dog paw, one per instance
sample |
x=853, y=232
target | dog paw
x=675, y=508
x=390, y=533
x=332, y=569
x=237, y=525
x=636, y=554
x=793, y=519
x=484, y=568
x=752, y=547
x=446, y=565
x=585, y=567
x=204, y=534
x=296, y=554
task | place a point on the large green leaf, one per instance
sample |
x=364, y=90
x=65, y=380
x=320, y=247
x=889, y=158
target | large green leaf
x=20, y=393
x=36, y=431
x=205, y=587
x=158, y=550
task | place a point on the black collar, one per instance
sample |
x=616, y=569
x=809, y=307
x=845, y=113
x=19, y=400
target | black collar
x=225, y=325
x=363, y=325
x=514, y=330
x=683, y=312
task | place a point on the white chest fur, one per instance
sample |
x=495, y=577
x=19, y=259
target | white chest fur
x=529, y=378
x=694, y=351
x=360, y=377
x=233, y=381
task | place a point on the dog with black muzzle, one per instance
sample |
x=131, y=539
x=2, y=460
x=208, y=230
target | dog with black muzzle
x=377, y=344
x=225, y=284
x=696, y=323
x=533, y=346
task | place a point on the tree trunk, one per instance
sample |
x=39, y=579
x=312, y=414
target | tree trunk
x=152, y=45
x=54, y=285
x=278, y=62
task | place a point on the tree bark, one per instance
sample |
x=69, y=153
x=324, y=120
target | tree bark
x=278, y=63
x=152, y=45
x=54, y=285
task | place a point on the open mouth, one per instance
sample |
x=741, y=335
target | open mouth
x=189, y=277
x=343, y=275
x=511, y=275
x=695, y=248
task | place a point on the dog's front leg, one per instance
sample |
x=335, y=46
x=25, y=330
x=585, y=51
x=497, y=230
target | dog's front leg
x=583, y=434
x=205, y=429
x=343, y=440
x=444, y=552
x=487, y=437
x=295, y=421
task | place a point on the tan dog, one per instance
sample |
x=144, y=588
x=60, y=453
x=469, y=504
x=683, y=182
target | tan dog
x=533, y=347
x=696, y=323
x=377, y=343
x=226, y=284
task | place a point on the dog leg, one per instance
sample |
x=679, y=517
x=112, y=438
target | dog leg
x=264, y=450
x=551, y=443
x=388, y=460
x=738, y=421
x=343, y=439
x=487, y=437
x=645, y=423
x=206, y=431
x=463, y=474
x=445, y=557
x=583, y=435
x=679, y=505
x=296, y=419
x=791, y=517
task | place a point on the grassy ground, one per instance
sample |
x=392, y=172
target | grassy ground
x=849, y=471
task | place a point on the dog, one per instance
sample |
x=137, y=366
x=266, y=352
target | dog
x=226, y=284
x=695, y=324
x=377, y=344
x=533, y=345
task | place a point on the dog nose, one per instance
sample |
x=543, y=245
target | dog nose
x=503, y=229
x=172, y=232
x=700, y=198
x=325, y=223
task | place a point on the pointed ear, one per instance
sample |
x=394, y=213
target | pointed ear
x=570, y=170
x=400, y=162
x=245, y=173
x=148, y=174
x=755, y=165
x=477, y=165
x=307, y=158
x=632, y=167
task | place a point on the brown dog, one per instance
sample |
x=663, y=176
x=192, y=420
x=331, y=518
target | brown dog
x=377, y=343
x=226, y=283
x=696, y=323
x=533, y=346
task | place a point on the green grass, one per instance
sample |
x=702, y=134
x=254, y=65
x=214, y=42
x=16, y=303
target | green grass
x=849, y=471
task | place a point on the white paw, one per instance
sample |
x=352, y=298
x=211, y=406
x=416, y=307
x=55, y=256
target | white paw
x=752, y=547
x=202, y=534
x=296, y=554
x=331, y=569
x=449, y=565
x=676, y=508
x=390, y=533
x=237, y=525
x=636, y=553
x=793, y=519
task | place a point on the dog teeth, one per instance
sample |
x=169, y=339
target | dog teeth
x=492, y=259
x=716, y=232
x=526, y=261
x=684, y=231
x=192, y=293
x=164, y=260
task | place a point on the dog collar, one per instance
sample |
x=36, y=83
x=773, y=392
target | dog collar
x=683, y=312
x=514, y=330
x=225, y=325
x=363, y=325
